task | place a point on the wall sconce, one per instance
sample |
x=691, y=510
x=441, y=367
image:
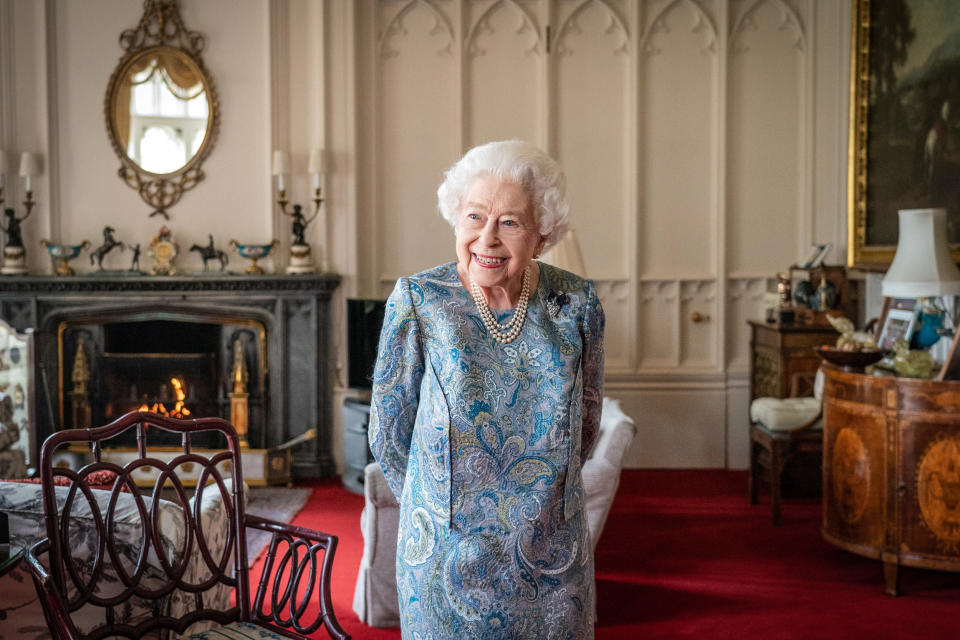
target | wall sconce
x=301, y=260
x=14, y=255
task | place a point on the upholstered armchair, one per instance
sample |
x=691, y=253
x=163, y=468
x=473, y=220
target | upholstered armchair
x=375, y=595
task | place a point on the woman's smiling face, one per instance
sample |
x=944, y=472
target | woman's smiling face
x=497, y=233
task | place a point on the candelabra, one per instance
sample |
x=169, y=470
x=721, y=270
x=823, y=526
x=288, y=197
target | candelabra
x=301, y=260
x=14, y=255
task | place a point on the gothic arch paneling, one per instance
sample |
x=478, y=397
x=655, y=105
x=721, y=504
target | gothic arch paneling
x=500, y=105
x=417, y=136
x=767, y=122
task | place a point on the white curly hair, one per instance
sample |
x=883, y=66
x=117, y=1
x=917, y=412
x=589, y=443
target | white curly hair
x=511, y=161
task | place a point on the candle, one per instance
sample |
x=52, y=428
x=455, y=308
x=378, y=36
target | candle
x=318, y=166
x=281, y=164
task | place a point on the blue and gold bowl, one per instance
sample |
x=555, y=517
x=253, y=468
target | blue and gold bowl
x=253, y=252
x=62, y=254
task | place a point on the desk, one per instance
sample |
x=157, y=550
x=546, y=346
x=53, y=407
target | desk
x=891, y=470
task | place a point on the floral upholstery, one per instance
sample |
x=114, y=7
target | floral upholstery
x=23, y=504
x=16, y=407
x=237, y=631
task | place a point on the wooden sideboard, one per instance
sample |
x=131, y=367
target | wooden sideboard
x=891, y=470
x=778, y=351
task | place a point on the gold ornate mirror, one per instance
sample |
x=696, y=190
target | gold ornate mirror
x=161, y=107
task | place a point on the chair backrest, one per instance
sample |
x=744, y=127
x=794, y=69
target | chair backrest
x=144, y=560
x=17, y=414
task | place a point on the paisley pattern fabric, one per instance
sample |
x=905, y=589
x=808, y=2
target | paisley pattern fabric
x=483, y=442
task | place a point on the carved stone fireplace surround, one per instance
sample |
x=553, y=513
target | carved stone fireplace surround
x=294, y=311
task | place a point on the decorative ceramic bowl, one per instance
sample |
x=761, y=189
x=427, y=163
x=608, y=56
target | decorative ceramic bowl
x=253, y=252
x=61, y=254
x=849, y=360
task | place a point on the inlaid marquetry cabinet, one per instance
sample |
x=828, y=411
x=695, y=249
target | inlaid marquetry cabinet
x=778, y=351
x=891, y=470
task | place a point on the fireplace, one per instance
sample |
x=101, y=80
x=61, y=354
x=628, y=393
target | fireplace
x=109, y=343
x=178, y=367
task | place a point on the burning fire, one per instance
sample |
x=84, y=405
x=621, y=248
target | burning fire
x=179, y=410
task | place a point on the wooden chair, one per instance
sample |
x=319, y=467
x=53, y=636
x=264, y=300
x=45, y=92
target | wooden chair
x=155, y=594
x=781, y=429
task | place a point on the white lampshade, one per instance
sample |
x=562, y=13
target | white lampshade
x=29, y=164
x=566, y=255
x=281, y=162
x=923, y=266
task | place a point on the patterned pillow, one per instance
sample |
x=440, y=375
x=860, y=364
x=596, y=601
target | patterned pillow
x=102, y=479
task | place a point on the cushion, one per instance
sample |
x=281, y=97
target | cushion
x=784, y=414
x=237, y=630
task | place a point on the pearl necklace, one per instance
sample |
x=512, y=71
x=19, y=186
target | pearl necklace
x=508, y=332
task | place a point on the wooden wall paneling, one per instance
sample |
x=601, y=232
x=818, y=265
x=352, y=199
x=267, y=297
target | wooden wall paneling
x=617, y=307
x=698, y=315
x=659, y=346
x=745, y=301
x=418, y=134
x=678, y=66
x=498, y=105
x=766, y=101
x=590, y=98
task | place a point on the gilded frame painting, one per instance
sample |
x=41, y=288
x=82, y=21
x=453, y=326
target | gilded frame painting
x=904, y=145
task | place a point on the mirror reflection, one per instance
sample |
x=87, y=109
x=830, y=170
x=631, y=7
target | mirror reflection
x=162, y=111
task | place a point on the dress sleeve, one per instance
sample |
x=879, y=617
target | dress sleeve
x=396, y=386
x=592, y=363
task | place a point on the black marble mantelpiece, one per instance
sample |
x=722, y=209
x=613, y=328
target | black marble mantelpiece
x=293, y=310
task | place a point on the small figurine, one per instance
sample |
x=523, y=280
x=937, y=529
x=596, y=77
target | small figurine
x=301, y=260
x=164, y=250
x=911, y=363
x=135, y=263
x=784, y=287
x=12, y=229
x=210, y=252
x=109, y=242
x=299, y=224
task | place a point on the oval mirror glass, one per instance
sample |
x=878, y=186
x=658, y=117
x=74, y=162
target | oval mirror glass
x=160, y=110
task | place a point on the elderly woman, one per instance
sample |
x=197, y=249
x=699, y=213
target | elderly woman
x=486, y=401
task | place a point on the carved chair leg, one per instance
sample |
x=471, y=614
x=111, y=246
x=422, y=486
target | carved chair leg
x=754, y=470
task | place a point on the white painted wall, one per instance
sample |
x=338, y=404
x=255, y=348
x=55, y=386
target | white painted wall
x=704, y=141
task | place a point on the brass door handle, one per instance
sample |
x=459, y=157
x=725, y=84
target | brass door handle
x=700, y=317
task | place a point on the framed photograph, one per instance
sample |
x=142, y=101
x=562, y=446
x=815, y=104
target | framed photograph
x=904, y=122
x=898, y=323
x=817, y=255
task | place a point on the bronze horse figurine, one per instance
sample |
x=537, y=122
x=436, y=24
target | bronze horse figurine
x=109, y=242
x=210, y=252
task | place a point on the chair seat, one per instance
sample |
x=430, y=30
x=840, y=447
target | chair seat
x=238, y=631
x=784, y=414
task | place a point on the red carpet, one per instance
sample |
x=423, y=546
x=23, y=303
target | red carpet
x=683, y=555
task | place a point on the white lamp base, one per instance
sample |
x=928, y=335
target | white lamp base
x=14, y=261
x=300, y=260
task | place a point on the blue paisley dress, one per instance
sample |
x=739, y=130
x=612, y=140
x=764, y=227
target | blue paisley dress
x=482, y=442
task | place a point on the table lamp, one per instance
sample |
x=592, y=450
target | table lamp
x=923, y=266
x=566, y=255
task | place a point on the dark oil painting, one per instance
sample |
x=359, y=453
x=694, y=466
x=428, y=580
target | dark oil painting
x=913, y=140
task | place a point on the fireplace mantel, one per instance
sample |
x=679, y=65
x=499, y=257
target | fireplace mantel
x=293, y=310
